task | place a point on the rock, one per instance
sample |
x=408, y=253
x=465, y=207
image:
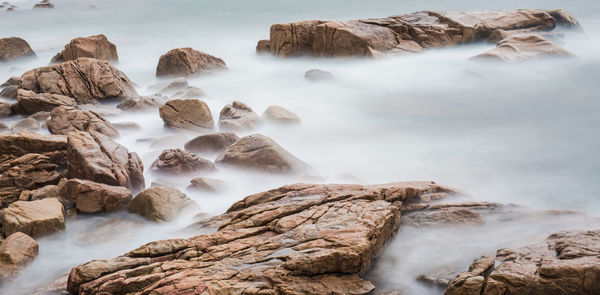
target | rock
x=318, y=75
x=211, y=143
x=297, y=239
x=263, y=46
x=277, y=114
x=183, y=62
x=238, y=117
x=93, y=197
x=100, y=109
x=9, y=92
x=94, y=156
x=127, y=126
x=178, y=161
x=159, y=203
x=522, y=47
x=34, y=218
x=84, y=79
x=564, y=18
x=190, y=92
x=44, y=4
x=57, y=287
x=33, y=102
x=174, y=86
x=450, y=214
x=5, y=110
x=566, y=262
x=142, y=103
x=12, y=81
x=66, y=119
x=30, y=124
x=3, y=127
x=258, y=152
x=41, y=117
x=14, y=48
x=16, y=145
x=16, y=252
x=189, y=114
x=96, y=46
x=440, y=279
x=206, y=184
x=48, y=191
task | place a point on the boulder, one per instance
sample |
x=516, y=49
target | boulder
x=181, y=62
x=34, y=218
x=280, y=115
x=94, y=156
x=48, y=191
x=297, y=239
x=84, y=79
x=96, y=46
x=174, y=86
x=9, y=92
x=5, y=110
x=522, y=47
x=16, y=145
x=566, y=262
x=16, y=252
x=177, y=161
x=93, y=197
x=318, y=75
x=33, y=102
x=206, y=184
x=189, y=114
x=44, y=4
x=27, y=124
x=142, y=103
x=211, y=143
x=238, y=117
x=189, y=92
x=13, y=48
x=159, y=203
x=263, y=46
x=258, y=152
x=66, y=119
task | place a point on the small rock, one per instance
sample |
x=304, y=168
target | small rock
x=207, y=184
x=100, y=109
x=263, y=46
x=34, y=218
x=174, y=86
x=48, y=191
x=93, y=197
x=141, y=103
x=189, y=114
x=318, y=75
x=159, y=203
x=211, y=143
x=277, y=114
x=97, y=47
x=190, y=92
x=44, y=4
x=522, y=47
x=13, y=48
x=26, y=124
x=183, y=62
x=178, y=161
x=238, y=117
x=5, y=110
x=33, y=102
x=66, y=119
x=16, y=252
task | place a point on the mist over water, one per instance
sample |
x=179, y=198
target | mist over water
x=524, y=133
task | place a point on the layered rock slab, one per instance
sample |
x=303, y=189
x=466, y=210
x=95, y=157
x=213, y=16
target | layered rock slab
x=96, y=46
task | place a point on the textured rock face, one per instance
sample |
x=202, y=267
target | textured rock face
x=566, y=263
x=181, y=62
x=96, y=157
x=93, y=197
x=16, y=252
x=280, y=115
x=523, y=46
x=97, y=47
x=178, y=161
x=33, y=102
x=16, y=145
x=14, y=48
x=159, y=203
x=66, y=119
x=211, y=143
x=34, y=218
x=238, y=116
x=259, y=152
x=84, y=79
x=190, y=114
x=297, y=239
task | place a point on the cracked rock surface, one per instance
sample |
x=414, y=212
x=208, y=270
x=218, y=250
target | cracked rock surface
x=189, y=114
x=66, y=119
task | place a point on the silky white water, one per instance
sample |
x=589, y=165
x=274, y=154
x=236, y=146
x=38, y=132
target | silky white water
x=524, y=133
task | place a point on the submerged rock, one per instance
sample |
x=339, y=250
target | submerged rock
x=189, y=114
x=34, y=218
x=29, y=124
x=280, y=115
x=16, y=252
x=33, y=102
x=66, y=119
x=178, y=161
x=93, y=197
x=181, y=62
x=523, y=46
x=159, y=203
x=238, y=116
x=206, y=184
x=318, y=75
x=44, y=4
x=211, y=143
x=96, y=46
x=14, y=48
x=142, y=103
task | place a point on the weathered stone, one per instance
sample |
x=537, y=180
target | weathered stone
x=100, y=109
x=263, y=46
x=48, y=191
x=16, y=145
x=34, y=218
x=5, y=110
x=450, y=214
x=27, y=124
x=16, y=252
x=522, y=47
x=182, y=62
x=190, y=114
x=141, y=103
x=93, y=197
x=9, y=92
x=178, y=161
x=207, y=184
x=13, y=48
x=96, y=46
x=159, y=203
x=66, y=119
x=238, y=116
x=280, y=115
x=211, y=143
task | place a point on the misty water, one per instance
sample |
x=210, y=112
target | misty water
x=522, y=133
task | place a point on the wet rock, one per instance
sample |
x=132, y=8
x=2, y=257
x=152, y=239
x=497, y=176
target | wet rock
x=34, y=218
x=44, y=4
x=177, y=161
x=96, y=157
x=183, y=62
x=14, y=48
x=96, y=46
x=440, y=279
x=263, y=46
x=93, y=197
x=5, y=110
x=565, y=263
x=280, y=115
x=85, y=79
x=142, y=103
x=318, y=75
x=9, y=92
x=57, y=287
x=522, y=47
x=33, y=102
x=238, y=117
x=16, y=252
x=211, y=143
x=297, y=239
x=48, y=191
x=258, y=152
x=66, y=119
x=190, y=92
x=450, y=214
x=159, y=203
x=189, y=114
x=127, y=126
x=206, y=184
x=30, y=124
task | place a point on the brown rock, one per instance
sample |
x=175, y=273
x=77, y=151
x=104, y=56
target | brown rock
x=9, y=92
x=449, y=215
x=5, y=110
x=182, y=62
x=16, y=252
x=66, y=119
x=211, y=143
x=159, y=203
x=44, y=4
x=174, y=86
x=100, y=109
x=48, y=191
x=280, y=115
x=238, y=116
x=34, y=218
x=190, y=114
x=207, y=184
x=178, y=161
x=13, y=48
x=259, y=152
x=93, y=197
x=97, y=47
x=523, y=46
x=33, y=102
x=27, y=124
x=142, y=103
x=263, y=46
x=16, y=145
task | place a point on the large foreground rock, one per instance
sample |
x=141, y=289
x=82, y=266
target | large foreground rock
x=259, y=152
x=181, y=62
x=96, y=46
x=34, y=218
x=93, y=197
x=13, y=48
x=178, y=161
x=297, y=239
x=566, y=263
x=33, y=102
x=16, y=252
x=159, y=203
x=238, y=116
x=189, y=114
x=211, y=143
x=66, y=119
x=523, y=46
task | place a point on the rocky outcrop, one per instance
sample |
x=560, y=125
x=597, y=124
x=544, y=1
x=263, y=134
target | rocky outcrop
x=238, y=116
x=84, y=79
x=523, y=46
x=34, y=218
x=297, y=239
x=16, y=252
x=258, y=152
x=94, y=156
x=159, y=203
x=181, y=62
x=93, y=197
x=211, y=143
x=280, y=115
x=189, y=114
x=96, y=46
x=33, y=102
x=565, y=263
x=13, y=48
x=177, y=161
x=66, y=119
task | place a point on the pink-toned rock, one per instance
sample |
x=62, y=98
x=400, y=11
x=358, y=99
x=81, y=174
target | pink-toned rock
x=93, y=197
x=16, y=252
x=34, y=218
x=523, y=47
x=66, y=119
x=14, y=48
x=181, y=62
x=96, y=46
x=189, y=114
x=177, y=161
